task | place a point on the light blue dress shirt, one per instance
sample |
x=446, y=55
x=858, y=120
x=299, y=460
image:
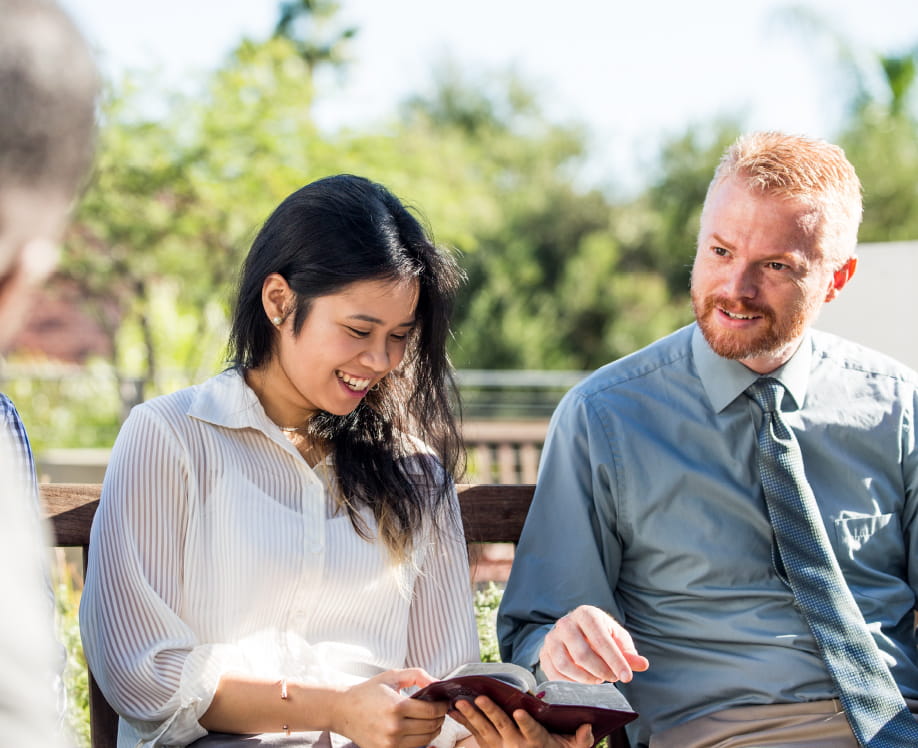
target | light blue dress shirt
x=648, y=505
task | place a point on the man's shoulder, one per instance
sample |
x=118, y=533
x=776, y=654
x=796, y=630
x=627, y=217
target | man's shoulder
x=11, y=421
x=669, y=354
x=8, y=412
x=837, y=352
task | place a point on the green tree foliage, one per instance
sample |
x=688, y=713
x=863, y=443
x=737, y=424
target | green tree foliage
x=177, y=200
x=312, y=26
x=160, y=235
x=884, y=150
x=559, y=276
x=880, y=131
x=881, y=139
x=487, y=600
x=543, y=263
x=659, y=228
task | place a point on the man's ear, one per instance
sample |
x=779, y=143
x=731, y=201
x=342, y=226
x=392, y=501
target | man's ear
x=841, y=277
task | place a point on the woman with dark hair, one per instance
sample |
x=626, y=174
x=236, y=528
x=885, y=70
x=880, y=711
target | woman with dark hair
x=278, y=549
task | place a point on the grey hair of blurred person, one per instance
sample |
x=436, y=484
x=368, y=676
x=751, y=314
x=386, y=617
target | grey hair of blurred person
x=49, y=87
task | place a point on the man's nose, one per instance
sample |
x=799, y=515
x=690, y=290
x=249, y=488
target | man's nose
x=742, y=282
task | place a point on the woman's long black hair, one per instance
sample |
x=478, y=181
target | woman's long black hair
x=325, y=236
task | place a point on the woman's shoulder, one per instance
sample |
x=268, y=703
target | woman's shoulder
x=168, y=406
x=183, y=406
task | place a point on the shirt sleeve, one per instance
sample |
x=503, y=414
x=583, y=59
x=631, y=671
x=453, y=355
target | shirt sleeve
x=442, y=632
x=568, y=555
x=27, y=645
x=28, y=486
x=146, y=660
x=25, y=462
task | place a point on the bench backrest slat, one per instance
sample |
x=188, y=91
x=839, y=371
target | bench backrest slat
x=491, y=513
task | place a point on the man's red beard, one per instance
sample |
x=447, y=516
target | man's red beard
x=770, y=336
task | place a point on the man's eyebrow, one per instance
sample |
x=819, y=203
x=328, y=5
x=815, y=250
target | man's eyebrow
x=721, y=242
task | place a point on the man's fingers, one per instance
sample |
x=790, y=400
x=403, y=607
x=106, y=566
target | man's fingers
x=613, y=643
x=559, y=664
x=603, y=627
x=579, y=657
x=638, y=663
x=589, y=646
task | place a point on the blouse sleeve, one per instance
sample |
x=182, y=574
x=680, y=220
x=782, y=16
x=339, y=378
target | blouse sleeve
x=145, y=659
x=442, y=633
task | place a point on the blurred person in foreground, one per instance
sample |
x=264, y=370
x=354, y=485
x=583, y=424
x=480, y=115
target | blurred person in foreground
x=726, y=522
x=48, y=90
x=26, y=480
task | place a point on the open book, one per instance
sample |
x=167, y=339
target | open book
x=559, y=706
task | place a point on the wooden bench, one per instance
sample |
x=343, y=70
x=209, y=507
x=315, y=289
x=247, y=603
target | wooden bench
x=491, y=513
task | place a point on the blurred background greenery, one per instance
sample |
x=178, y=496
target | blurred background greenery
x=561, y=276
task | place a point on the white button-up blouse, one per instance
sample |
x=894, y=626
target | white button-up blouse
x=216, y=547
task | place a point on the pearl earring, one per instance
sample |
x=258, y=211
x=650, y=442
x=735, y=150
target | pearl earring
x=277, y=320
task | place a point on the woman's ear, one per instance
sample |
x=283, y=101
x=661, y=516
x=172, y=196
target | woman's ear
x=276, y=298
x=841, y=277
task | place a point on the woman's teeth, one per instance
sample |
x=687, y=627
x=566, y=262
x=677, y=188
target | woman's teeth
x=354, y=383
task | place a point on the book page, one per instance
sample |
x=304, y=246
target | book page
x=516, y=676
x=604, y=695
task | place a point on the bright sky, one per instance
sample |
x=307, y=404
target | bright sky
x=630, y=71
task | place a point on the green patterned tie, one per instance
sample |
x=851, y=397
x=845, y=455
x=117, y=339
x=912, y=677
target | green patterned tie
x=873, y=704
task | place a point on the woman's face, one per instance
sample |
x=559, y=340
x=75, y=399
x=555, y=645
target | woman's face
x=349, y=341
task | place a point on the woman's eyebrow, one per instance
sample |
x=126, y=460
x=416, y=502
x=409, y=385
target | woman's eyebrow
x=376, y=321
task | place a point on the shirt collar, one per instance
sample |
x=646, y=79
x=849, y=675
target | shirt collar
x=724, y=379
x=226, y=400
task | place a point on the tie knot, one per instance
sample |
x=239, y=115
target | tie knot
x=767, y=394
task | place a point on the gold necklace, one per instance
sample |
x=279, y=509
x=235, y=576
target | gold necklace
x=311, y=451
x=294, y=429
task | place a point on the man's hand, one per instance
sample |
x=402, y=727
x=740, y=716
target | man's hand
x=589, y=646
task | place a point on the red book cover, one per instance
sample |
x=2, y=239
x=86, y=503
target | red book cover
x=559, y=706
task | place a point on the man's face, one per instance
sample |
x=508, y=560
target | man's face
x=758, y=280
